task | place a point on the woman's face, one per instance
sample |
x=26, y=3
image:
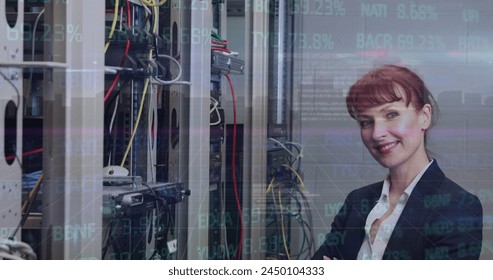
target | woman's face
x=394, y=133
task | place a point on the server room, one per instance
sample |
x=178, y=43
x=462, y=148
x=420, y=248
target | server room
x=230, y=129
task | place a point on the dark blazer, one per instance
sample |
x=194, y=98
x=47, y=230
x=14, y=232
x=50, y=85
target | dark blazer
x=441, y=220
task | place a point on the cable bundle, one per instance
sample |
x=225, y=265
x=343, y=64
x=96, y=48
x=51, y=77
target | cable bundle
x=219, y=44
x=290, y=186
x=15, y=250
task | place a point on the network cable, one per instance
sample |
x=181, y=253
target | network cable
x=293, y=186
x=146, y=85
x=15, y=250
x=26, y=208
x=233, y=167
x=178, y=76
x=294, y=191
x=113, y=26
x=125, y=54
x=282, y=228
x=215, y=107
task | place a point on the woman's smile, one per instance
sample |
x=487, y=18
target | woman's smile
x=386, y=148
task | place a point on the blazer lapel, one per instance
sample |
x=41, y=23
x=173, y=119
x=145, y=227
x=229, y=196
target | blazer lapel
x=410, y=223
x=355, y=228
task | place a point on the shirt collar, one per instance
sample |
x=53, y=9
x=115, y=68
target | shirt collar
x=409, y=189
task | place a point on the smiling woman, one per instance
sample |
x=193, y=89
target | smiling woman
x=387, y=84
x=395, y=110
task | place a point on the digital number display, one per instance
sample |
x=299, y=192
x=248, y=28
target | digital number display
x=401, y=26
x=336, y=35
x=319, y=7
x=416, y=12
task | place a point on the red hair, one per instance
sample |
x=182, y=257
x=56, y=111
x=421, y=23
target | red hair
x=386, y=84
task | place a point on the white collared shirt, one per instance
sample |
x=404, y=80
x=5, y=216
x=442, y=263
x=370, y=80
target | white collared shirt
x=376, y=250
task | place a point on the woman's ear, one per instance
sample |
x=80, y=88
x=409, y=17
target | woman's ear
x=425, y=116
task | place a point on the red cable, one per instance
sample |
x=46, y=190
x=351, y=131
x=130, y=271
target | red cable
x=33, y=152
x=233, y=166
x=223, y=42
x=129, y=21
x=113, y=84
x=122, y=62
x=37, y=151
x=219, y=43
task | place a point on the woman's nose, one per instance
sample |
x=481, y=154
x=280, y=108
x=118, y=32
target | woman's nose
x=379, y=130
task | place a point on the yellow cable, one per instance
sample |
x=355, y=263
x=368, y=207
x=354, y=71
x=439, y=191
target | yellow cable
x=31, y=193
x=270, y=184
x=113, y=26
x=297, y=175
x=146, y=85
x=282, y=227
x=152, y=3
x=156, y=16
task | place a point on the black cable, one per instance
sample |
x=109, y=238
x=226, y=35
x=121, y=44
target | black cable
x=298, y=217
x=15, y=88
x=166, y=206
x=298, y=168
x=29, y=204
x=309, y=218
x=108, y=239
x=109, y=143
x=153, y=255
x=116, y=94
x=143, y=236
x=23, y=172
x=310, y=240
x=298, y=204
x=293, y=188
x=158, y=227
x=305, y=240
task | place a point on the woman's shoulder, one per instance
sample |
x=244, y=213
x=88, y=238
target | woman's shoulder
x=457, y=194
x=441, y=187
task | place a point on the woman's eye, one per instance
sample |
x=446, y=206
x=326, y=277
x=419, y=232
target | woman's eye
x=364, y=123
x=392, y=115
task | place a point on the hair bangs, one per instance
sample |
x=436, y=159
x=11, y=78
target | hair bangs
x=367, y=94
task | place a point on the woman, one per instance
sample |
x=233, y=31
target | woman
x=415, y=212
